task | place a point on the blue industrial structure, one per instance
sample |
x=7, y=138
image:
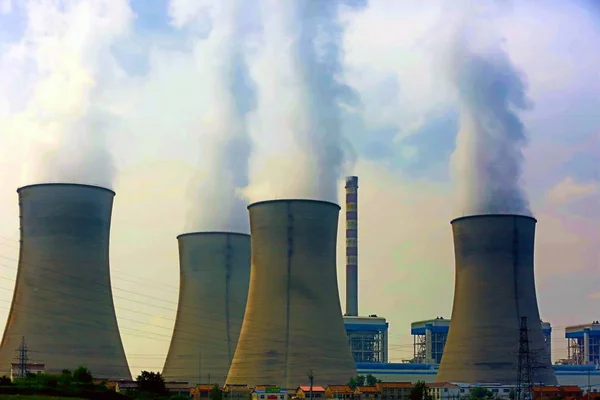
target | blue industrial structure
x=583, y=344
x=368, y=338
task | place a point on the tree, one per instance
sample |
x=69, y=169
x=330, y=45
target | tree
x=356, y=382
x=420, y=391
x=215, y=393
x=5, y=381
x=512, y=395
x=82, y=375
x=479, y=392
x=151, y=382
x=371, y=380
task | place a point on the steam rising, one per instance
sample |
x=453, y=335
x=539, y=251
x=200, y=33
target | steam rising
x=67, y=118
x=311, y=90
x=217, y=203
x=488, y=159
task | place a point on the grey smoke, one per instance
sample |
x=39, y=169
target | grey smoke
x=491, y=91
x=217, y=202
x=316, y=35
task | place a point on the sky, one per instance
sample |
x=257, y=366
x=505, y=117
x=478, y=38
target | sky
x=166, y=101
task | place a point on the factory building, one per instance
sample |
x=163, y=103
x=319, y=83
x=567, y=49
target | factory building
x=213, y=289
x=367, y=336
x=494, y=291
x=293, y=322
x=62, y=307
x=583, y=344
x=429, y=339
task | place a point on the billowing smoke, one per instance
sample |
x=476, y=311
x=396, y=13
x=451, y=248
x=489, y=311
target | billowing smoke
x=303, y=86
x=66, y=118
x=488, y=160
x=217, y=202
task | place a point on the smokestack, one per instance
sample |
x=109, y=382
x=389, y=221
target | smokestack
x=352, y=245
x=214, y=276
x=495, y=287
x=293, y=323
x=62, y=303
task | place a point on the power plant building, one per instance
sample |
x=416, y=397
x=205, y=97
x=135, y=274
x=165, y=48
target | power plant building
x=62, y=307
x=214, y=278
x=368, y=338
x=494, y=289
x=583, y=344
x=293, y=322
x=429, y=339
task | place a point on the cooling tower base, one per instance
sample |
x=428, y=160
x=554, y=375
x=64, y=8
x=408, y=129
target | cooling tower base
x=494, y=288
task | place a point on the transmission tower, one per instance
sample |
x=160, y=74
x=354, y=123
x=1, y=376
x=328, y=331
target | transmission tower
x=524, y=372
x=22, y=358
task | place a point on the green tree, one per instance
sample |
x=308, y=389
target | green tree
x=179, y=397
x=479, y=392
x=512, y=395
x=82, y=375
x=151, y=383
x=5, y=381
x=371, y=380
x=215, y=393
x=356, y=382
x=420, y=391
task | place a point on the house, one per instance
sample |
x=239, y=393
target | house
x=236, y=392
x=201, y=391
x=339, y=392
x=303, y=392
x=367, y=393
x=179, y=388
x=124, y=386
x=545, y=392
x=17, y=371
x=444, y=390
x=571, y=392
x=395, y=390
x=269, y=392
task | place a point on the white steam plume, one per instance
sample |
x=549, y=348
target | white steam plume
x=488, y=159
x=303, y=84
x=66, y=51
x=217, y=202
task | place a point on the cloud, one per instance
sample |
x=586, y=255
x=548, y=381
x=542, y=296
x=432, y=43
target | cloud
x=568, y=190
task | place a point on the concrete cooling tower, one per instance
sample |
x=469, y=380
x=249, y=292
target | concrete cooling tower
x=62, y=304
x=293, y=323
x=214, y=278
x=494, y=288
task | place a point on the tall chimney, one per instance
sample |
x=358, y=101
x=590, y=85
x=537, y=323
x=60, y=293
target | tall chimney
x=352, y=245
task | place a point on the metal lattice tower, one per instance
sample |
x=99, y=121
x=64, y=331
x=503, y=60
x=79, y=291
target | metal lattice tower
x=524, y=372
x=22, y=358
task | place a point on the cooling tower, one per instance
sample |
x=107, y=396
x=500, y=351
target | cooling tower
x=494, y=288
x=214, y=277
x=293, y=322
x=62, y=303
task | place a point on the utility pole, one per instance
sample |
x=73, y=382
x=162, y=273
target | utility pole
x=524, y=372
x=22, y=358
x=311, y=377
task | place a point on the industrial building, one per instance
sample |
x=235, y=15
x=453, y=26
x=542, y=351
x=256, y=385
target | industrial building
x=62, y=305
x=293, y=323
x=494, y=289
x=213, y=289
x=583, y=344
x=429, y=339
x=367, y=336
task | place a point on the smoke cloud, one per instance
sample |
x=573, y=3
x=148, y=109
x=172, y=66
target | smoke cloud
x=303, y=96
x=66, y=117
x=217, y=201
x=488, y=160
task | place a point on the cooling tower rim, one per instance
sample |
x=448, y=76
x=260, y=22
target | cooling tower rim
x=324, y=202
x=520, y=216
x=212, y=233
x=26, y=187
